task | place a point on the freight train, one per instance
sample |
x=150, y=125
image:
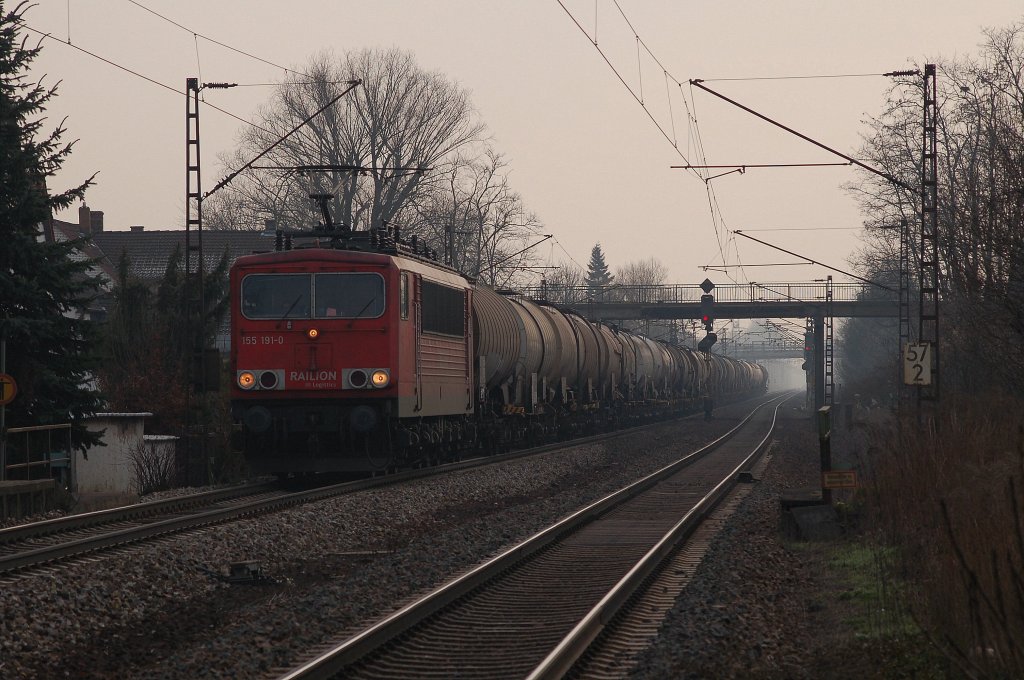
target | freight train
x=360, y=352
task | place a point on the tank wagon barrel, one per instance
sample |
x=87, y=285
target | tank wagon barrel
x=533, y=355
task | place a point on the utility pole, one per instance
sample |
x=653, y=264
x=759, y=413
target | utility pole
x=194, y=223
x=830, y=386
x=928, y=275
x=904, y=305
x=195, y=289
x=819, y=360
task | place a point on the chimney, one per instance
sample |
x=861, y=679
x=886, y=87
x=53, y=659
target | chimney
x=84, y=220
x=137, y=228
x=269, y=226
x=96, y=221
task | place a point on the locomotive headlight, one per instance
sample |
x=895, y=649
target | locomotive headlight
x=380, y=378
x=246, y=380
x=313, y=333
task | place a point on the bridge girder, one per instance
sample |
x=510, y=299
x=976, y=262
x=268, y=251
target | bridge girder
x=632, y=311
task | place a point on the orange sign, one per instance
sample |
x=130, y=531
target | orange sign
x=8, y=389
x=839, y=479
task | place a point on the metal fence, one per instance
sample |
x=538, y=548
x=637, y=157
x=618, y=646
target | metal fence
x=41, y=452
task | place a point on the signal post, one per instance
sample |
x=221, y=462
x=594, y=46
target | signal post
x=707, y=316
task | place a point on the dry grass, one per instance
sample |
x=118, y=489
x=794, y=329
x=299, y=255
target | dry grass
x=951, y=499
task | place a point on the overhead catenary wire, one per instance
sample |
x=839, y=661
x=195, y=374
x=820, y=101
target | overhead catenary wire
x=717, y=217
x=232, y=175
x=747, y=231
x=821, y=264
x=47, y=36
x=803, y=77
x=199, y=62
x=292, y=84
x=744, y=166
x=759, y=264
x=622, y=79
x=698, y=83
x=215, y=42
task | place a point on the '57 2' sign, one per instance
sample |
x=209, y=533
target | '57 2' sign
x=917, y=364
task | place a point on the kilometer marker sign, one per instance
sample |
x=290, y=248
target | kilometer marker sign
x=917, y=364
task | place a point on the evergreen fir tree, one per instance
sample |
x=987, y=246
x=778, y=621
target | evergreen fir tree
x=146, y=348
x=598, y=275
x=44, y=287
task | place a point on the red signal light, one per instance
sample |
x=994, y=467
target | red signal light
x=707, y=309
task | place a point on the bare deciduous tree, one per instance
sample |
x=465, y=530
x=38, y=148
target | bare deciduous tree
x=640, y=281
x=472, y=214
x=641, y=278
x=400, y=122
x=981, y=204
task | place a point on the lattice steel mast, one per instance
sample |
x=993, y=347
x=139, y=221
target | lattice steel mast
x=928, y=274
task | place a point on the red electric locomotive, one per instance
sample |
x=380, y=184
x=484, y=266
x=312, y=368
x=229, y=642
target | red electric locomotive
x=331, y=347
x=366, y=354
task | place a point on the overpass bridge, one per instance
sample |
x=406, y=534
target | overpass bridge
x=732, y=301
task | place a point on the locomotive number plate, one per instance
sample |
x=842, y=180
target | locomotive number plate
x=262, y=339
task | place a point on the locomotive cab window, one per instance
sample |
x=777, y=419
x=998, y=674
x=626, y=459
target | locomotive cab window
x=443, y=309
x=353, y=295
x=276, y=296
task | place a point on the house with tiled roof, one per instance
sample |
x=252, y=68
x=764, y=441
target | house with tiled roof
x=150, y=250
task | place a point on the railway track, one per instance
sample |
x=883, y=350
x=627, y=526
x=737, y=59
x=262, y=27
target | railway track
x=54, y=539
x=535, y=610
x=26, y=548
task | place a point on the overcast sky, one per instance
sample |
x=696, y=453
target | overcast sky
x=585, y=156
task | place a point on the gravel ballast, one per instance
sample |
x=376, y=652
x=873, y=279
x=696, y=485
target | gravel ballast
x=166, y=610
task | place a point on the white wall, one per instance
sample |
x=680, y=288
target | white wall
x=107, y=470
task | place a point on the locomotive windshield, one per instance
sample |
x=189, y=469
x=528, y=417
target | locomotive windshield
x=319, y=296
x=349, y=296
x=276, y=296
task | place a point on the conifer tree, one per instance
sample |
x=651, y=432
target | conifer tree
x=44, y=286
x=598, y=275
x=146, y=346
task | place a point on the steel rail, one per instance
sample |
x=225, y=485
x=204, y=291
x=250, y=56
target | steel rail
x=333, y=661
x=574, y=645
x=122, y=513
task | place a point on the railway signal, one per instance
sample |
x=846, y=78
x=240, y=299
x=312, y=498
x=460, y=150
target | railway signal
x=808, y=351
x=707, y=311
x=707, y=306
x=705, y=344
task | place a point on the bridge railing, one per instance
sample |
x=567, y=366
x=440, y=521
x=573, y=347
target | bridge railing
x=685, y=293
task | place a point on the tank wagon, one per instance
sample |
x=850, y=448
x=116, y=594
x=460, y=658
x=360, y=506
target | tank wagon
x=363, y=354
